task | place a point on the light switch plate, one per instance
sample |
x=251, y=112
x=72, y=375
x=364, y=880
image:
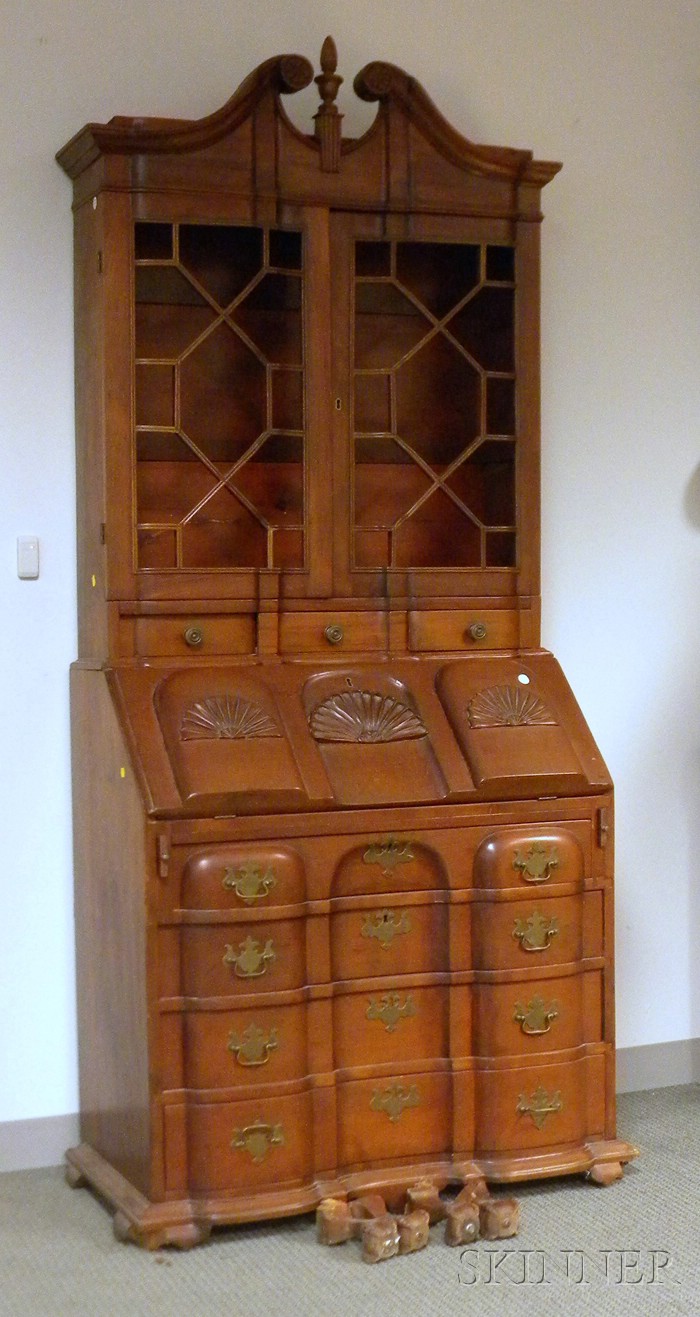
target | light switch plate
x=27, y=557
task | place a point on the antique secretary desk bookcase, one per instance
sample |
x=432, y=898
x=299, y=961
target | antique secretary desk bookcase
x=343, y=838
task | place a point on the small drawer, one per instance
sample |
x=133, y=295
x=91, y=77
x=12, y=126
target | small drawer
x=233, y=1049
x=537, y=1015
x=525, y=934
x=237, y=1146
x=333, y=633
x=526, y=857
x=386, y=1118
x=456, y=629
x=380, y=1026
x=540, y=1106
x=241, y=877
x=390, y=939
x=233, y=959
x=195, y=636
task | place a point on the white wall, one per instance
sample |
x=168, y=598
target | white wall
x=612, y=90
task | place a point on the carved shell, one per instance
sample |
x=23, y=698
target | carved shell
x=364, y=716
x=507, y=706
x=226, y=718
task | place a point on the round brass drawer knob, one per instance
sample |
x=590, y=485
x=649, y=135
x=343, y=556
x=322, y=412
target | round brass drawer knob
x=477, y=631
x=194, y=637
x=334, y=634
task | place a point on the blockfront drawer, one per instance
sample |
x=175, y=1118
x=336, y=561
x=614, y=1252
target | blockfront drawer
x=380, y=1026
x=384, y=863
x=540, y=1106
x=534, y=1016
x=241, y=877
x=232, y=959
x=258, y=1045
x=387, y=1118
x=396, y=938
x=528, y=857
x=237, y=1146
x=536, y=931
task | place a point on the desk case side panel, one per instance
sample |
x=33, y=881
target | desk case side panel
x=90, y=428
x=111, y=935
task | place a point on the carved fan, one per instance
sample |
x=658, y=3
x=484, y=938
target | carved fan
x=507, y=706
x=364, y=716
x=230, y=718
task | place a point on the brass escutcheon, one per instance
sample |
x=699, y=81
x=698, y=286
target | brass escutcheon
x=389, y=1011
x=394, y=1100
x=251, y=959
x=257, y=1139
x=538, y=865
x=253, y=1048
x=535, y=1018
x=249, y=882
x=385, y=926
x=387, y=854
x=536, y=932
x=540, y=1105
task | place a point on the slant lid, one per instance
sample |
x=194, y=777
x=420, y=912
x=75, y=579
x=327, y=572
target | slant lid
x=288, y=736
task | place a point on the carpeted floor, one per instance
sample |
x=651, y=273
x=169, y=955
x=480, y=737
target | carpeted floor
x=629, y=1249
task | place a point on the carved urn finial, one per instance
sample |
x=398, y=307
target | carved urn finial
x=328, y=118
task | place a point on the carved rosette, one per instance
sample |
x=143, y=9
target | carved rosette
x=507, y=706
x=227, y=717
x=365, y=716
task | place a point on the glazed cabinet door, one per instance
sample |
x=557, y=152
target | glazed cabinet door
x=426, y=322
x=228, y=404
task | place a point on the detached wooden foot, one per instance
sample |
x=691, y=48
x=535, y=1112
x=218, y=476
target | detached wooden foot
x=380, y=1238
x=334, y=1224
x=499, y=1218
x=414, y=1230
x=605, y=1173
x=424, y=1196
x=462, y=1223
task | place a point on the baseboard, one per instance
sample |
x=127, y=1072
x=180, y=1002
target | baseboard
x=658, y=1065
x=28, y=1144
